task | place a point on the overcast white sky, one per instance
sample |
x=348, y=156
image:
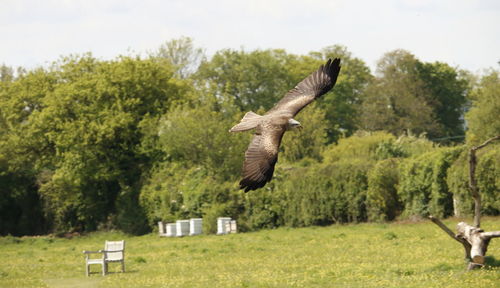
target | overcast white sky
x=463, y=33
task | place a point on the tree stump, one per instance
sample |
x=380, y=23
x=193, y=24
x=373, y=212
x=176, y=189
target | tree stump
x=479, y=241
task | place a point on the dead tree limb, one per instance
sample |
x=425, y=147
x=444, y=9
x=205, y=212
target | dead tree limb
x=473, y=238
x=463, y=241
x=493, y=234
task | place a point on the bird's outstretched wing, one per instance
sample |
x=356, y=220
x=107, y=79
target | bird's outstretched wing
x=312, y=87
x=260, y=158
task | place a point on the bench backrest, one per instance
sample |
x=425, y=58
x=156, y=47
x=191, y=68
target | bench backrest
x=114, y=250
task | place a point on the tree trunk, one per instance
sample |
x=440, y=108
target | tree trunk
x=473, y=238
x=473, y=182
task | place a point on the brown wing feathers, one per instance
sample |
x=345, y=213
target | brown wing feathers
x=322, y=80
x=259, y=164
x=312, y=87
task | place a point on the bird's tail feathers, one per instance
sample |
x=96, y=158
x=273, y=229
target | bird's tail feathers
x=249, y=121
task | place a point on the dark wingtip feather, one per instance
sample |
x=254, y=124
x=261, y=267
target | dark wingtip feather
x=332, y=69
x=249, y=184
x=247, y=187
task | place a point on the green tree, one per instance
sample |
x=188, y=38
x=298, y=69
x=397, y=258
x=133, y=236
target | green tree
x=309, y=142
x=257, y=80
x=447, y=90
x=20, y=203
x=253, y=80
x=6, y=73
x=396, y=101
x=202, y=166
x=78, y=129
x=199, y=136
x=342, y=104
x=182, y=54
x=482, y=119
x=411, y=96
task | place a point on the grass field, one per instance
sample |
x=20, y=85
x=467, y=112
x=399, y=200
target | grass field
x=363, y=255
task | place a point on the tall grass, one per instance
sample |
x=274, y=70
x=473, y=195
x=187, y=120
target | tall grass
x=363, y=255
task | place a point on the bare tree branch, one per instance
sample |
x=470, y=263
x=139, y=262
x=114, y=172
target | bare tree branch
x=486, y=142
x=444, y=227
x=467, y=245
x=492, y=234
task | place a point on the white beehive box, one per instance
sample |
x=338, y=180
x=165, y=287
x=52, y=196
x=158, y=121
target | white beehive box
x=221, y=225
x=231, y=227
x=161, y=228
x=182, y=228
x=195, y=226
x=171, y=229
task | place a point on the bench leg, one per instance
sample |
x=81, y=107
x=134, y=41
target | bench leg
x=87, y=270
x=123, y=266
x=104, y=269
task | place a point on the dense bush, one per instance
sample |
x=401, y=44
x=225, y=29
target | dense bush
x=423, y=189
x=382, y=199
x=314, y=195
x=488, y=178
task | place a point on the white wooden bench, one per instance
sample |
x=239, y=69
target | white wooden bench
x=114, y=251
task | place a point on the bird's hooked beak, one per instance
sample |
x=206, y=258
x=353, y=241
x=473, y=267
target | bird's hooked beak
x=294, y=125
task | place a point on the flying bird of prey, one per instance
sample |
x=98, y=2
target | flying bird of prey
x=262, y=153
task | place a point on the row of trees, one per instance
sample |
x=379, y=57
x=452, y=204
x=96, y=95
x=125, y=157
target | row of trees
x=89, y=144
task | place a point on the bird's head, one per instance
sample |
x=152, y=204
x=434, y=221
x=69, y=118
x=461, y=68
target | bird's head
x=293, y=125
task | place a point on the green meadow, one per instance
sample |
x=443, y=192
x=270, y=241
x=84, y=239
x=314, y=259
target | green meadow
x=409, y=254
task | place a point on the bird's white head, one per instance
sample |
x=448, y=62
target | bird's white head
x=293, y=124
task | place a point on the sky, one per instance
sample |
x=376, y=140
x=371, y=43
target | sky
x=462, y=33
